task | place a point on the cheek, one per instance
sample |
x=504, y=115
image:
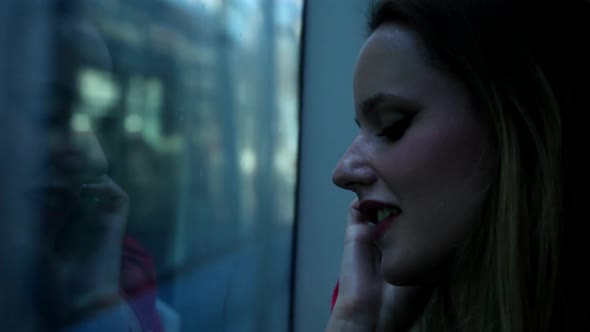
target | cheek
x=440, y=179
x=442, y=168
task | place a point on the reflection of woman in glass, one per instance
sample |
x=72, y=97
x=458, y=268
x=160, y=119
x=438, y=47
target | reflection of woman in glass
x=465, y=170
x=93, y=274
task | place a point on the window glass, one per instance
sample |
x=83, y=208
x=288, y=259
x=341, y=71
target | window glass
x=165, y=151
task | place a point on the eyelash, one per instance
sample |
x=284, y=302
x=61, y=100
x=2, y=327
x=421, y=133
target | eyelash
x=396, y=130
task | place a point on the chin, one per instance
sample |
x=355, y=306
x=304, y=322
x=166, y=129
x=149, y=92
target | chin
x=410, y=272
x=398, y=276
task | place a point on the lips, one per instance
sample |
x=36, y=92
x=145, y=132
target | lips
x=380, y=215
x=375, y=211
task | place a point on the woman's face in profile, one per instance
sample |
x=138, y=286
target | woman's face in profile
x=421, y=148
x=72, y=157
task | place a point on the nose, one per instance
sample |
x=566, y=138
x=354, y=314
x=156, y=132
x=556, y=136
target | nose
x=74, y=151
x=354, y=170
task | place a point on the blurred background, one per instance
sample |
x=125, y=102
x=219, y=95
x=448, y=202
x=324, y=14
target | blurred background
x=200, y=110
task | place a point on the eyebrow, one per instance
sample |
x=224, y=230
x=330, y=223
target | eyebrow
x=379, y=100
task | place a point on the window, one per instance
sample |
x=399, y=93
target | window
x=176, y=121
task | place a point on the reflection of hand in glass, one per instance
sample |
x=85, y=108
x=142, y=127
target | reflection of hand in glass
x=84, y=257
x=84, y=217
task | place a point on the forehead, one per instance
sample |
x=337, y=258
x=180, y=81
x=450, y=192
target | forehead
x=82, y=42
x=395, y=35
x=392, y=57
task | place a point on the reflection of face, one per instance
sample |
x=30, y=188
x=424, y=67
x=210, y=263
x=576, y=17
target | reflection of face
x=75, y=155
x=421, y=147
x=73, y=158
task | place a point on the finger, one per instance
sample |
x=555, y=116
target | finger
x=360, y=281
x=101, y=222
x=105, y=194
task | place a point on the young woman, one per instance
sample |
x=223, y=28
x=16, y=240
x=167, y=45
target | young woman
x=468, y=170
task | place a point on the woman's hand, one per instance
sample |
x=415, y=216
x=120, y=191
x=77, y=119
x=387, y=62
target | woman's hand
x=84, y=255
x=366, y=302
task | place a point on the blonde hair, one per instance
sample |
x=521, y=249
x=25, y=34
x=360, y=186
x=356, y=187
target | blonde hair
x=506, y=273
x=505, y=277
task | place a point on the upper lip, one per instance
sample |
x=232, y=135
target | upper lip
x=368, y=208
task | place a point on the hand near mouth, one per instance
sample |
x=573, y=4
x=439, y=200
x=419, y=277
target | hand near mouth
x=365, y=301
x=84, y=258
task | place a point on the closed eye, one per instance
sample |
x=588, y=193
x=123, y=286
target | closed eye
x=397, y=130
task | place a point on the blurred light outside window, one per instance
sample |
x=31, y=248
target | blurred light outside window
x=194, y=105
